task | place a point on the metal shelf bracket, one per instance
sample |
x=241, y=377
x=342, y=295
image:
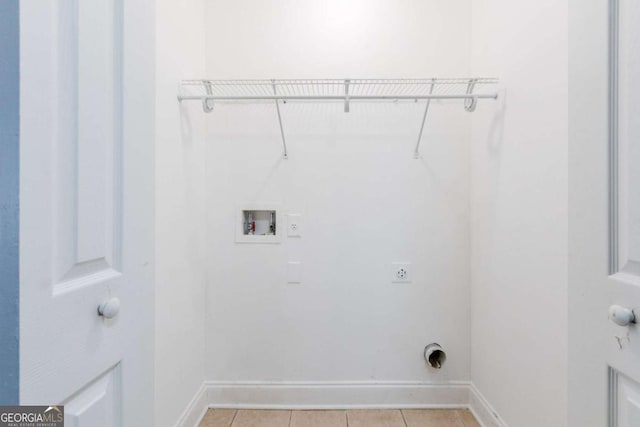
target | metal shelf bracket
x=346, y=95
x=207, y=103
x=416, y=152
x=285, y=155
x=470, y=103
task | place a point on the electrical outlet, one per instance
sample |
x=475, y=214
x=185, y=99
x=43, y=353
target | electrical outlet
x=294, y=225
x=401, y=272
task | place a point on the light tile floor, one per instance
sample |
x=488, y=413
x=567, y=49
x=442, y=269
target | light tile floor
x=350, y=418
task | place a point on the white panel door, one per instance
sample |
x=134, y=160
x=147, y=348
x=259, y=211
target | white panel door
x=624, y=208
x=604, y=213
x=86, y=214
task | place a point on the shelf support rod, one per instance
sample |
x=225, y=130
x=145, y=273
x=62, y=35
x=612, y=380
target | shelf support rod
x=346, y=95
x=284, y=142
x=416, y=153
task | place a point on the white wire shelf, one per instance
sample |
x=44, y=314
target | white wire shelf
x=337, y=89
x=211, y=92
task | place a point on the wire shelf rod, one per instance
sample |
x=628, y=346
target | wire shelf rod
x=334, y=97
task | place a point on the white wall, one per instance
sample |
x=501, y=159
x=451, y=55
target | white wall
x=180, y=271
x=519, y=212
x=333, y=38
x=365, y=201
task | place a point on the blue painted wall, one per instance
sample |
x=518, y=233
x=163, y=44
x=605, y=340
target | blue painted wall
x=9, y=182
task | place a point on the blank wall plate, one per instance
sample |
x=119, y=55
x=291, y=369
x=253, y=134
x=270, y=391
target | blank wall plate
x=294, y=225
x=401, y=272
x=294, y=272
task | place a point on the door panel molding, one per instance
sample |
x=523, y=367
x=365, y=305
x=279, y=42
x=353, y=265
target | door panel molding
x=613, y=136
x=624, y=400
x=98, y=400
x=87, y=165
x=624, y=212
x=612, y=404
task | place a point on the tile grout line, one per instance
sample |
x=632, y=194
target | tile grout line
x=290, y=416
x=346, y=416
x=235, y=414
x=461, y=422
x=403, y=418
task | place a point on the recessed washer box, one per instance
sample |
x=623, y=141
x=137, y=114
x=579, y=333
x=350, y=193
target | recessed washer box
x=259, y=223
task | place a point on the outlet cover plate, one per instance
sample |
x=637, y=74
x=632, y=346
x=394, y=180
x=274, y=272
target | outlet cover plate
x=401, y=272
x=294, y=225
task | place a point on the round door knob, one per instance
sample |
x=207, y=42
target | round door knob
x=109, y=309
x=621, y=315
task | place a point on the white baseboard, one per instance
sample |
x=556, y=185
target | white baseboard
x=482, y=410
x=195, y=410
x=337, y=395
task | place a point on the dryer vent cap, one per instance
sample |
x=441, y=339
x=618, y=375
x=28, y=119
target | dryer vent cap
x=435, y=355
